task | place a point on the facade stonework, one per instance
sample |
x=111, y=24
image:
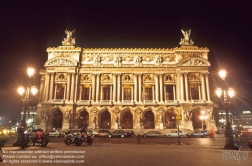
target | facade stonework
x=124, y=88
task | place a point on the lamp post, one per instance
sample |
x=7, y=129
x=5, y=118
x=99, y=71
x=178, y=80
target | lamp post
x=25, y=92
x=203, y=117
x=225, y=95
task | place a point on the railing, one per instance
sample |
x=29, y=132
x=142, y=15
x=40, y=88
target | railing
x=84, y=102
x=106, y=102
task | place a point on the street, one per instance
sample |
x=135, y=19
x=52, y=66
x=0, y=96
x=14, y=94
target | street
x=131, y=151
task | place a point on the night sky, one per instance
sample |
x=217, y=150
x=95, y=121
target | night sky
x=27, y=28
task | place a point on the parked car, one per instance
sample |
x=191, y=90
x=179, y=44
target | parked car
x=175, y=134
x=72, y=131
x=53, y=133
x=103, y=133
x=130, y=133
x=117, y=133
x=153, y=134
x=197, y=134
x=237, y=133
x=3, y=138
x=93, y=132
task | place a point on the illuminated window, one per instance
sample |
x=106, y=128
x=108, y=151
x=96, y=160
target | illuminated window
x=106, y=93
x=60, y=91
x=85, y=93
x=169, y=92
x=194, y=91
x=148, y=93
x=127, y=94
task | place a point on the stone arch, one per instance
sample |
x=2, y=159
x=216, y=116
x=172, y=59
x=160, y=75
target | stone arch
x=105, y=119
x=57, y=118
x=148, y=119
x=170, y=118
x=126, y=119
x=196, y=122
x=82, y=119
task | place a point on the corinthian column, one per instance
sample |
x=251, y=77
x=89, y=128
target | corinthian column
x=72, y=86
x=97, y=87
x=119, y=88
x=140, y=87
x=203, y=87
x=47, y=86
x=68, y=86
x=186, y=86
x=161, y=85
x=135, y=88
x=51, y=86
x=207, y=87
x=93, y=87
x=181, y=87
x=156, y=87
x=114, y=87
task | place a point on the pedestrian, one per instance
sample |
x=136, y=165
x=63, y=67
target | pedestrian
x=21, y=136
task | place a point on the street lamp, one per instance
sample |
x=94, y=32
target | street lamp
x=225, y=95
x=25, y=92
x=203, y=117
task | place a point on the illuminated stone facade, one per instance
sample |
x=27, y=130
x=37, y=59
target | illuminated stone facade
x=127, y=88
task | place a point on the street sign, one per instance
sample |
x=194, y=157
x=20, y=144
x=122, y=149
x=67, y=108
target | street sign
x=178, y=117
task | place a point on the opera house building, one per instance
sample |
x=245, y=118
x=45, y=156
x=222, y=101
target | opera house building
x=125, y=88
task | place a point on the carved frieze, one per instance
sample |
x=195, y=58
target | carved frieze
x=138, y=60
x=158, y=60
x=86, y=78
x=61, y=62
x=117, y=61
x=97, y=60
x=127, y=77
x=106, y=77
x=194, y=62
x=148, y=77
x=60, y=77
x=194, y=76
x=170, y=77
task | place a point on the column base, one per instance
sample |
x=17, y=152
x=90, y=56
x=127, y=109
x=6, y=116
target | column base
x=231, y=147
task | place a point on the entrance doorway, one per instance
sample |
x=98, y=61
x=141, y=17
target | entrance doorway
x=57, y=119
x=105, y=121
x=127, y=120
x=148, y=121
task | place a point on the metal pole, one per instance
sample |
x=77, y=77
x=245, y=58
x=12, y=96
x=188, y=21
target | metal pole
x=178, y=134
x=230, y=143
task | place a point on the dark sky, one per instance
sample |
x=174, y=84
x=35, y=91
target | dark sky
x=27, y=28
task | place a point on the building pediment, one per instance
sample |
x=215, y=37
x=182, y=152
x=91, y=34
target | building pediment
x=194, y=62
x=61, y=62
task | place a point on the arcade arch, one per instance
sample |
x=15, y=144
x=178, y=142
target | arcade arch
x=148, y=120
x=82, y=119
x=57, y=119
x=127, y=119
x=170, y=121
x=105, y=120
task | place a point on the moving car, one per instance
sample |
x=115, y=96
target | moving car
x=197, y=134
x=53, y=133
x=153, y=134
x=175, y=134
x=130, y=133
x=103, y=133
x=117, y=133
x=250, y=144
x=3, y=138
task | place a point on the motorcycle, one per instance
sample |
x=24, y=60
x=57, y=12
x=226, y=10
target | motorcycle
x=79, y=139
x=43, y=139
x=28, y=138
